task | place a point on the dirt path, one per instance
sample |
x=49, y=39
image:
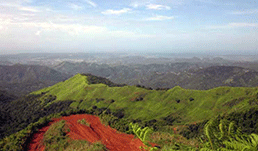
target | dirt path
x=113, y=140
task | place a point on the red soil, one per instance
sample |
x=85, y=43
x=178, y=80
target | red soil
x=36, y=144
x=112, y=139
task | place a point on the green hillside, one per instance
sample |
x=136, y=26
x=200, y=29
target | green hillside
x=139, y=103
x=181, y=119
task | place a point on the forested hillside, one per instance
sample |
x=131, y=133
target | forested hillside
x=21, y=79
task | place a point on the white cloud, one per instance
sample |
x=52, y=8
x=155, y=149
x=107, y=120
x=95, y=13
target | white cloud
x=38, y=33
x=157, y=7
x=73, y=29
x=243, y=25
x=137, y=4
x=207, y=1
x=91, y=3
x=28, y=9
x=116, y=12
x=128, y=34
x=234, y=25
x=160, y=18
x=75, y=7
x=20, y=7
x=27, y=14
x=45, y=35
x=38, y=27
x=5, y=22
x=9, y=4
x=16, y=1
x=245, y=12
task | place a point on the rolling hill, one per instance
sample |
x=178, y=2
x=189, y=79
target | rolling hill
x=140, y=103
x=178, y=109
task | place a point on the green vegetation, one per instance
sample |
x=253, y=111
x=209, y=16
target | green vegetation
x=219, y=136
x=98, y=80
x=55, y=139
x=18, y=114
x=83, y=122
x=19, y=141
x=5, y=96
x=21, y=79
x=153, y=104
x=180, y=118
x=84, y=145
x=194, y=74
x=223, y=135
x=170, y=142
x=141, y=133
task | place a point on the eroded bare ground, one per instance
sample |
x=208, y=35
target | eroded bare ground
x=96, y=131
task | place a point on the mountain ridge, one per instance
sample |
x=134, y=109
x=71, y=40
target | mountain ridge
x=187, y=75
x=77, y=88
x=22, y=79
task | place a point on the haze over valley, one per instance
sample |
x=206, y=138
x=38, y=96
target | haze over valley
x=23, y=73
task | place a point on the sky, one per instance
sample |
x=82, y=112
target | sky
x=176, y=26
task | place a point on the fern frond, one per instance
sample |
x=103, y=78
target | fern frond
x=243, y=143
x=207, y=131
x=231, y=128
x=254, y=140
x=141, y=133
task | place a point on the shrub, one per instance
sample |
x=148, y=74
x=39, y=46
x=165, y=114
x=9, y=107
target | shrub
x=83, y=122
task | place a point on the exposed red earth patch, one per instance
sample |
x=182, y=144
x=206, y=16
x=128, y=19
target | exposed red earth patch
x=111, y=138
x=36, y=144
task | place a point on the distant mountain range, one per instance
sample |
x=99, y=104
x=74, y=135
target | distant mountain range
x=21, y=79
x=187, y=75
x=206, y=78
x=8, y=63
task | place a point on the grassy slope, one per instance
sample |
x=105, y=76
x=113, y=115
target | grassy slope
x=156, y=104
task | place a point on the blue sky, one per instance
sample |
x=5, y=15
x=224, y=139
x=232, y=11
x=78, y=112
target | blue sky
x=226, y=26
